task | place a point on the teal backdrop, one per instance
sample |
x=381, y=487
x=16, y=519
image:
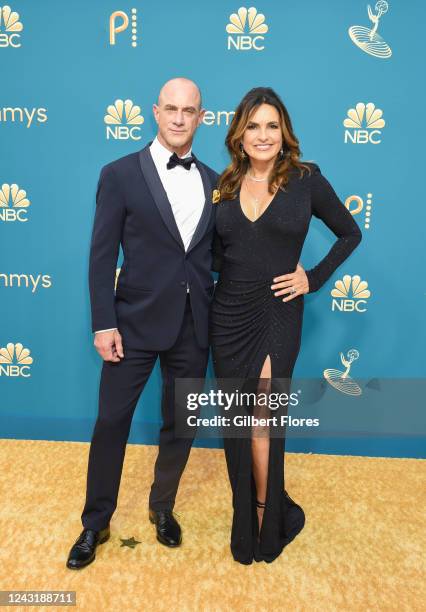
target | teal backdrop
x=355, y=96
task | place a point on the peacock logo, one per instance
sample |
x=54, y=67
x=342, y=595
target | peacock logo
x=356, y=204
x=364, y=123
x=13, y=203
x=245, y=29
x=121, y=115
x=119, y=22
x=15, y=360
x=350, y=294
x=10, y=25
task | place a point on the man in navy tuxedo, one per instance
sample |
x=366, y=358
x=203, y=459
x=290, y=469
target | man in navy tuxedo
x=158, y=205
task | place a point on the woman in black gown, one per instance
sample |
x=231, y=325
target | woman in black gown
x=267, y=198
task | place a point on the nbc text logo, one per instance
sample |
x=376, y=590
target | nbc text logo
x=119, y=22
x=245, y=28
x=121, y=115
x=350, y=294
x=13, y=203
x=9, y=28
x=355, y=120
x=368, y=39
x=16, y=360
x=355, y=204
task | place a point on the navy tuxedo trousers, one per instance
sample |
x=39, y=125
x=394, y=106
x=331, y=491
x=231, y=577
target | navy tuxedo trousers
x=120, y=388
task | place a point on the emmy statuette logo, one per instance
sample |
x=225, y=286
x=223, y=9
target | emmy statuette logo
x=350, y=294
x=119, y=22
x=341, y=380
x=122, y=120
x=369, y=40
x=15, y=361
x=364, y=123
x=13, y=203
x=245, y=29
x=10, y=26
x=355, y=204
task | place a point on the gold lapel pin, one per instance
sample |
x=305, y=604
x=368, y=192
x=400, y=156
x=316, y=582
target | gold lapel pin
x=215, y=196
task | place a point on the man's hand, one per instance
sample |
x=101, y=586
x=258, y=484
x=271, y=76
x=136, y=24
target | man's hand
x=293, y=284
x=109, y=345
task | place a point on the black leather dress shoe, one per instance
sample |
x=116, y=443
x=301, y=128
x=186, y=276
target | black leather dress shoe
x=84, y=550
x=168, y=529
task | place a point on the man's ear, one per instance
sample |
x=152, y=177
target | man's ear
x=201, y=116
x=155, y=110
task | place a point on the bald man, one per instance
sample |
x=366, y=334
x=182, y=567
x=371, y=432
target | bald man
x=157, y=204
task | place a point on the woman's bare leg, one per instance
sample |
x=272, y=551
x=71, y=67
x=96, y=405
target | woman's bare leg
x=260, y=441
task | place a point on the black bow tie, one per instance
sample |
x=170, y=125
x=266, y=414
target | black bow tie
x=180, y=161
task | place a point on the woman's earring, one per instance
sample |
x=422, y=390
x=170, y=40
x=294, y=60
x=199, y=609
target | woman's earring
x=243, y=153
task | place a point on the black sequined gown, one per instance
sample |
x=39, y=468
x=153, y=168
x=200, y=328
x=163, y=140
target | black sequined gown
x=248, y=323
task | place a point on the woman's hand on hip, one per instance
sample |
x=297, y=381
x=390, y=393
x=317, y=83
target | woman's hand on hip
x=291, y=285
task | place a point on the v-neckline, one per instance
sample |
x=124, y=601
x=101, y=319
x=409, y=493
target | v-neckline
x=260, y=216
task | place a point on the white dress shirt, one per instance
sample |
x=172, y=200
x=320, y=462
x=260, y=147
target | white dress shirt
x=185, y=191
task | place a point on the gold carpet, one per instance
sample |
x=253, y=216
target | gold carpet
x=362, y=548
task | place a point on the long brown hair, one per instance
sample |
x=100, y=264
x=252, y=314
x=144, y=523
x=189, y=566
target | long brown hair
x=231, y=178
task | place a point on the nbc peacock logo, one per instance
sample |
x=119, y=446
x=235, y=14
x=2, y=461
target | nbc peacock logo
x=10, y=26
x=15, y=360
x=13, y=203
x=245, y=29
x=356, y=204
x=350, y=294
x=364, y=123
x=123, y=119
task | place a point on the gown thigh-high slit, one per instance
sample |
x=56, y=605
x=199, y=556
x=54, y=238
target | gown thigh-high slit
x=248, y=323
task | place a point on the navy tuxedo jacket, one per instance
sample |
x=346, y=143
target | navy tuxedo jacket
x=132, y=209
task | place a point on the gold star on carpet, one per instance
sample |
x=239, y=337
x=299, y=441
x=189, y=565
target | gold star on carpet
x=131, y=542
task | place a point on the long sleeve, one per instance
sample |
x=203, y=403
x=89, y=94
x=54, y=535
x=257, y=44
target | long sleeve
x=105, y=244
x=327, y=206
x=217, y=252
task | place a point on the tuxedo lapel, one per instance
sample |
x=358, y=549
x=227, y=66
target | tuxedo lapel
x=207, y=208
x=159, y=193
